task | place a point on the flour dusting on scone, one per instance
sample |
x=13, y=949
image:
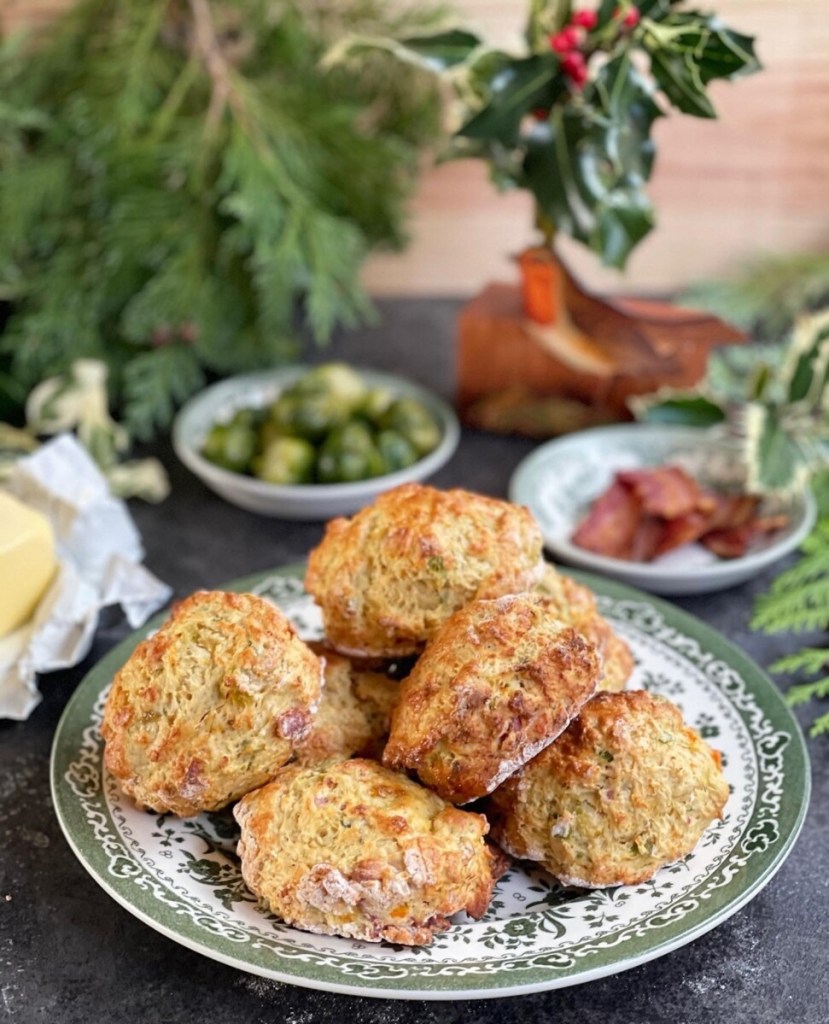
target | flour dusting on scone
x=576, y=605
x=499, y=681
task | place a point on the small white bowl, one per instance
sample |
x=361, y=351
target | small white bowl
x=560, y=480
x=218, y=403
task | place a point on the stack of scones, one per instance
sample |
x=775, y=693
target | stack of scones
x=348, y=784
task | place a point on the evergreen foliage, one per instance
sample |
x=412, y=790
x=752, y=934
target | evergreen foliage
x=183, y=186
x=768, y=294
x=798, y=601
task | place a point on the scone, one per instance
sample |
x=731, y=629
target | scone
x=354, y=713
x=387, y=578
x=627, y=788
x=500, y=680
x=211, y=705
x=354, y=849
x=576, y=605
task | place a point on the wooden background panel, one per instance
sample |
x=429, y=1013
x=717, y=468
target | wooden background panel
x=755, y=180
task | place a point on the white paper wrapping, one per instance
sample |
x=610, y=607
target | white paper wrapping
x=99, y=556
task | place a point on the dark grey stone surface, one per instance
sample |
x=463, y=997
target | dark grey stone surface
x=69, y=954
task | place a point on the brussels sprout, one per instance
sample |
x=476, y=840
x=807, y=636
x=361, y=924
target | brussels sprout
x=248, y=417
x=397, y=452
x=286, y=460
x=214, y=444
x=348, y=454
x=240, y=446
x=337, y=380
x=308, y=416
x=375, y=403
x=414, y=421
x=231, y=446
x=268, y=432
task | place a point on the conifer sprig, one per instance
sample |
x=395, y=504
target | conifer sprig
x=185, y=189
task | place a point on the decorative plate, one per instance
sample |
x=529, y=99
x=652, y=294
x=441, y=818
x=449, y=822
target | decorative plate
x=561, y=479
x=182, y=877
x=218, y=403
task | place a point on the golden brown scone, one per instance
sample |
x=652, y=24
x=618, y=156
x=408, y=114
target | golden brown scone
x=627, y=788
x=499, y=681
x=354, y=849
x=211, y=705
x=576, y=605
x=354, y=713
x=387, y=578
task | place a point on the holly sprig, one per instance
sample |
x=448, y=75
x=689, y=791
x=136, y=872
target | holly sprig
x=570, y=119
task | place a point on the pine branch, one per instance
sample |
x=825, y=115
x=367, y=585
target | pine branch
x=804, y=692
x=820, y=726
x=810, y=660
x=189, y=173
x=797, y=601
x=154, y=383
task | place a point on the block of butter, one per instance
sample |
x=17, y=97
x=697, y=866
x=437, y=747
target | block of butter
x=27, y=561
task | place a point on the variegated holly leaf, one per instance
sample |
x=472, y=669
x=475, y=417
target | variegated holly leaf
x=444, y=49
x=436, y=51
x=516, y=89
x=806, y=373
x=688, y=50
x=774, y=458
x=587, y=166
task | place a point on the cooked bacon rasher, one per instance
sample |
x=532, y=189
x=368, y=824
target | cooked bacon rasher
x=645, y=513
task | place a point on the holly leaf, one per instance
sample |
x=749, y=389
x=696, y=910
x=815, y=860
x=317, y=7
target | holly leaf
x=584, y=193
x=688, y=50
x=726, y=54
x=442, y=50
x=686, y=410
x=656, y=10
x=587, y=168
x=806, y=372
x=775, y=461
x=625, y=98
x=678, y=76
x=517, y=88
x=435, y=52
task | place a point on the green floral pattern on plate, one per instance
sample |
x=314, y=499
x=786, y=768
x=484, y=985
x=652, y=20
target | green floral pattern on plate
x=182, y=877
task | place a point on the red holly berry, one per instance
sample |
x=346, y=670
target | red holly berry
x=574, y=66
x=540, y=113
x=565, y=40
x=631, y=19
x=586, y=19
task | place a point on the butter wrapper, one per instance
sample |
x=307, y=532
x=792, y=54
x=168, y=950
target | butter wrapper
x=99, y=554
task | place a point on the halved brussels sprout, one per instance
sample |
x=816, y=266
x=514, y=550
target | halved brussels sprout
x=337, y=380
x=349, y=454
x=286, y=460
x=397, y=452
x=414, y=421
x=310, y=416
x=376, y=402
x=230, y=445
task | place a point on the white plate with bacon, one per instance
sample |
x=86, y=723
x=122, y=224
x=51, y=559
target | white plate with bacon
x=659, y=507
